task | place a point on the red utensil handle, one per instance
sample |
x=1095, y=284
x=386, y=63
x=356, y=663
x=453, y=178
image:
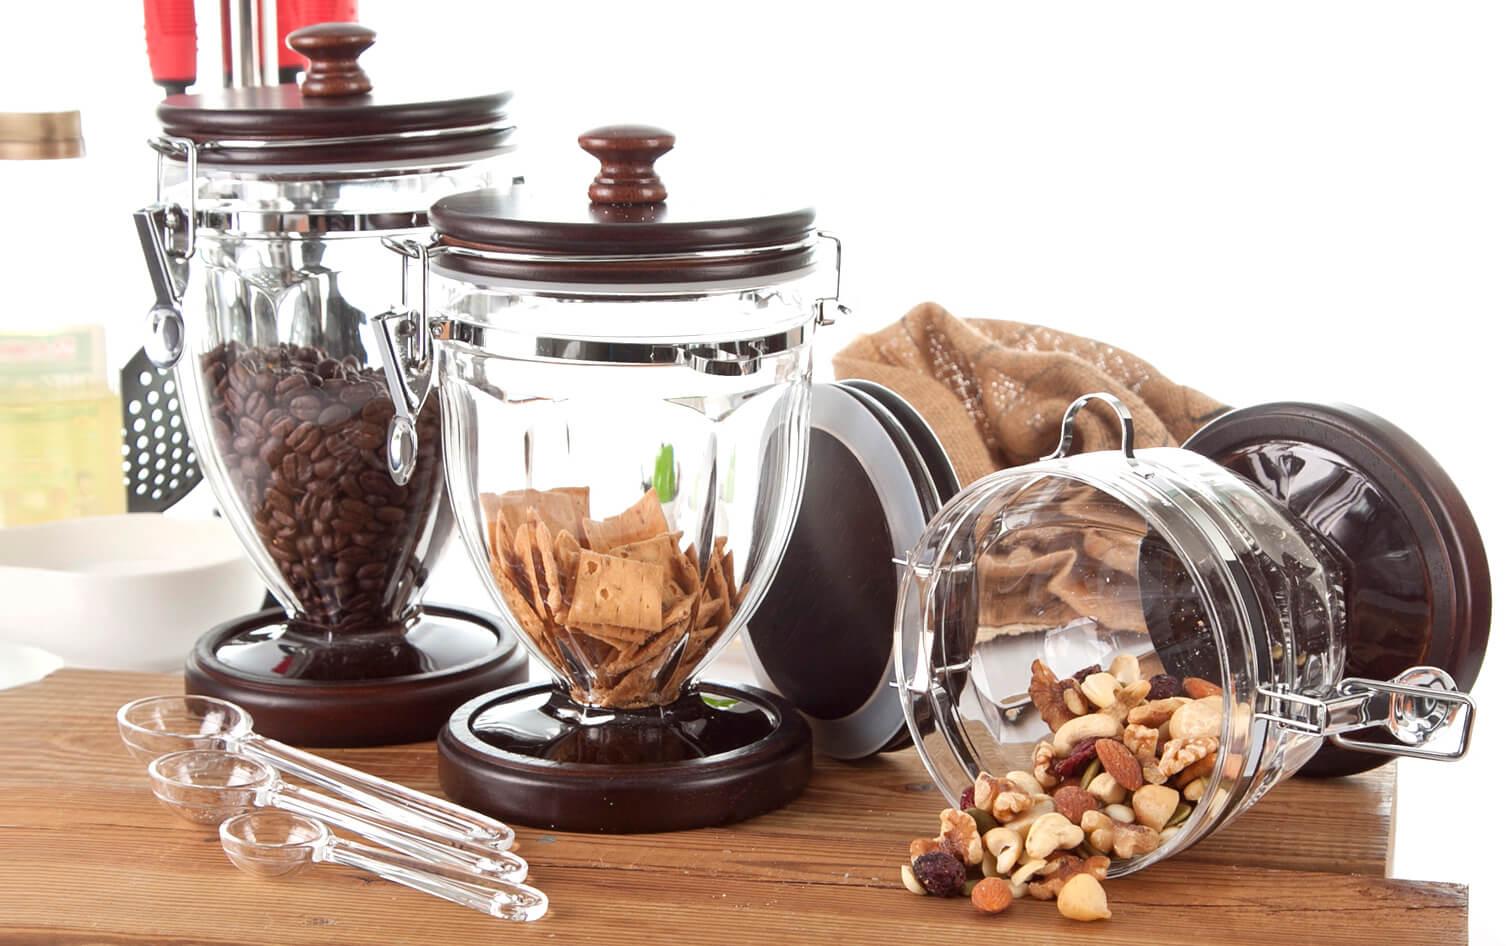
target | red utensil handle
x=171, y=45
x=296, y=14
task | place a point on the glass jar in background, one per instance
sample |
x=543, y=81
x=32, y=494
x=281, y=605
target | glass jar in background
x=1177, y=630
x=266, y=252
x=59, y=414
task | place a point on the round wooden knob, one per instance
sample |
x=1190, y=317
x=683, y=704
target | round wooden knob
x=627, y=154
x=332, y=50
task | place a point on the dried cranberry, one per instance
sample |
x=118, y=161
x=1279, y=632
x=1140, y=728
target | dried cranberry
x=967, y=799
x=1164, y=686
x=1077, y=759
x=941, y=874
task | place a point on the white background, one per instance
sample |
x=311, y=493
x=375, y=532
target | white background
x=1284, y=200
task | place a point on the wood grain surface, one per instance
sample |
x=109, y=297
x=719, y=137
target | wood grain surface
x=87, y=856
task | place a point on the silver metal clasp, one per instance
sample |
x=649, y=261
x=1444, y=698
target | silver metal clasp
x=180, y=232
x=168, y=235
x=1069, y=425
x=407, y=351
x=825, y=304
x=1421, y=708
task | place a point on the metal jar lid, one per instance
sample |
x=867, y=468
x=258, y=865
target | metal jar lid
x=336, y=116
x=823, y=636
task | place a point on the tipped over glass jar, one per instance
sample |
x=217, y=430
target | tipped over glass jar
x=1147, y=641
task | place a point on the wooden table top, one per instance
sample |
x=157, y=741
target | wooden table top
x=88, y=856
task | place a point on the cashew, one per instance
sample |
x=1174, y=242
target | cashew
x=1154, y=805
x=1120, y=813
x=1021, y=877
x=1127, y=698
x=1025, y=782
x=1091, y=726
x=1052, y=832
x=1024, y=822
x=1195, y=789
x=990, y=864
x=1082, y=898
x=1004, y=845
x=1125, y=668
x=1199, y=718
x=1106, y=789
x=1075, y=702
x=1100, y=688
x=907, y=877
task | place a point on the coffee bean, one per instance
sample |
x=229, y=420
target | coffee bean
x=333, y=415
x=367, y=436
x=302, y=436
x=306, y=407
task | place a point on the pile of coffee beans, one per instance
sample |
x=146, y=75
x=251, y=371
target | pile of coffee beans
x=303, y=439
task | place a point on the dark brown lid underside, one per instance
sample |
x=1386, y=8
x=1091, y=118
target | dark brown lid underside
x=1417, y=585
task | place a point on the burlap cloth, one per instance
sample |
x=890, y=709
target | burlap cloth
x=995, y=391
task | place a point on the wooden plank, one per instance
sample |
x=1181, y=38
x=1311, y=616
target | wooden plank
x=89, y=857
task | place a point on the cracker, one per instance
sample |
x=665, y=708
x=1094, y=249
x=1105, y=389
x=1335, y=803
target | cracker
x=611, y=633
x=557, y=510
x=610, y=590
x=523, y=549
x=543, y=547
x=643, y=520
x=661, y=550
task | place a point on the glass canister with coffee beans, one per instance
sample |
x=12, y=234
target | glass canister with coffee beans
x=265, y=250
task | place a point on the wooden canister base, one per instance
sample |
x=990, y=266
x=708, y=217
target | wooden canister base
x=376, y=689
x=720, y=754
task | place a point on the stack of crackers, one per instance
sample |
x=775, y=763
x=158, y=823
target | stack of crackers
x=615, y=605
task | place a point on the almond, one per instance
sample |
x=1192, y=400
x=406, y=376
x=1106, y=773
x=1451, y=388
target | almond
x=1197, y=688
x=1073, y=801
x=1120, y=762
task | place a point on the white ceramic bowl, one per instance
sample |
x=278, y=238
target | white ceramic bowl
x=122, y=592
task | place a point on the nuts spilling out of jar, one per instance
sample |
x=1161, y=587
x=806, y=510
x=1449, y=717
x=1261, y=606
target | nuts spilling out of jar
x=1128, y=761
x=302, y=437
x=614, y=604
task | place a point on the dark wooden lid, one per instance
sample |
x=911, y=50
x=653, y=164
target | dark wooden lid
x=628, y=213
x=1417, y=586
x=336, y=102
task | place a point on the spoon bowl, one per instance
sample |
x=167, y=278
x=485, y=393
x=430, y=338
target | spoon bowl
x=157, y=725
x=207, y=786
x=272, y=843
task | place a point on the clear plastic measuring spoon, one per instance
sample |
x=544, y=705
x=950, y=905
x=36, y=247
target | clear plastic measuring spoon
x=270, y=843
x=156, y=725
x=208, y=786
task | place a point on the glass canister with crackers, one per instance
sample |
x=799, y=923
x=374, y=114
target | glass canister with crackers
x=624, y=382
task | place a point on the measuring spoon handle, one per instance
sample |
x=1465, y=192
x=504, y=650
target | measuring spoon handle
x=500, y=898
x=399, y=836
x=418, y=810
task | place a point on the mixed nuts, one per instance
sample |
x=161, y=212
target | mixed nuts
x=1127, y=761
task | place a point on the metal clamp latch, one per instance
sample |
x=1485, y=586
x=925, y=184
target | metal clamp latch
x=1421, y=708
x=407, y=352
x=168, y=233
